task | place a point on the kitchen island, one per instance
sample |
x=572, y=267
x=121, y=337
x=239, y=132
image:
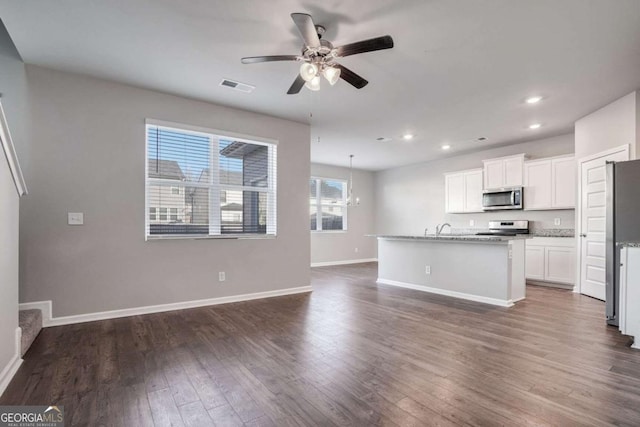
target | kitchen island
x=488, y=269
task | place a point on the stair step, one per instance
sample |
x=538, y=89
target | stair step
x=30, y=322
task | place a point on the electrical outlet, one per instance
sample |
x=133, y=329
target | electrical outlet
x=556, y=221
x=356, y=250
x=472, y=223
x=75, y=218
x=427, y=269
x=222, y=276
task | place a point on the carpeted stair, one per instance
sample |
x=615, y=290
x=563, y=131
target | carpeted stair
x=31, y=325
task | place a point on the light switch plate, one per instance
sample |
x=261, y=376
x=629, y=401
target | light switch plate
x=75, y=218
x=556, y=221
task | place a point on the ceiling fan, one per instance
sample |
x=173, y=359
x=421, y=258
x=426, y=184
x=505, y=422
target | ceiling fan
x=319, y=56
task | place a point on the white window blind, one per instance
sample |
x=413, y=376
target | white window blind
x=327, y=204
x=206, y=184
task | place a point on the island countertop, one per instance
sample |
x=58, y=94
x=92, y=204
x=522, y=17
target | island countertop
x=453, y=238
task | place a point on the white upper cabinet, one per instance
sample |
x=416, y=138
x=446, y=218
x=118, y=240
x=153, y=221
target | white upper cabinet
x=503, y=172
x=463, y=191
x=537, y=182
x=513, y=171
x=550, y=183
x=473, y=191
x=493, y=174
x=454, y=192
x=563, y=179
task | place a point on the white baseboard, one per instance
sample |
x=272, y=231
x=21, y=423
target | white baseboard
x=349, y=261
x=135, y=311
x=12, y=367
x=446, y=292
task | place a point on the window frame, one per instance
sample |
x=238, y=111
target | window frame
x=214, y=186
x=319, y=205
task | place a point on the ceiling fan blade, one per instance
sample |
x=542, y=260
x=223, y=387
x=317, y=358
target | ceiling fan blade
x=352, y=78
x=256, y=59
x=378, y=43
x=296, y=86
x=307, y=29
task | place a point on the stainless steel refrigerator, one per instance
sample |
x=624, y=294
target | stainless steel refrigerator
x=623, y=224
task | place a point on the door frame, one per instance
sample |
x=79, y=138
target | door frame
x=619, y=149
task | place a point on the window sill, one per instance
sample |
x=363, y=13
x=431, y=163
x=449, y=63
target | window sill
x=329, y=231
x=218, y=237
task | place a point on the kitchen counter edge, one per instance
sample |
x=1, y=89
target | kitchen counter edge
x=454, y=238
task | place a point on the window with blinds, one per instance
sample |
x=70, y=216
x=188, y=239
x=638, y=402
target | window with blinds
x=207, y=184
x=327, y=204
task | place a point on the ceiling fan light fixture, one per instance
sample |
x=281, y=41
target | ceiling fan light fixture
x=313, y=84
x=331, y=74
x=308, y=71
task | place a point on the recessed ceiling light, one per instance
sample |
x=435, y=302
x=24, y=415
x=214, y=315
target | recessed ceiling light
x=534, y=99
x=445, y=147
x=407, y=136
x=535, y=126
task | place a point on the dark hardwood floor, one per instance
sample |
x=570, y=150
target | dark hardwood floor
x=350, y=353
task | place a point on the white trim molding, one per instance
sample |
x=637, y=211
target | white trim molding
x=12, y=367
x=10, y=153
x=448, y=293
x=48, y=320
x=345, y=262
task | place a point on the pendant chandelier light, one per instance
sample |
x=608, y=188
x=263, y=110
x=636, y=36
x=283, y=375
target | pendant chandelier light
x=310, y=73
x=351, y=201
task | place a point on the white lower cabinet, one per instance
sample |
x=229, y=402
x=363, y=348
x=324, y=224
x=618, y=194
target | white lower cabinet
x=534, y=268
x=551, y=259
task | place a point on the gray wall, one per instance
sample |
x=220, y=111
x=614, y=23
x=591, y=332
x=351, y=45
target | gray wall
x=611, y=126
x=340, y=246
x=86, y=154
x=410, y=198
x=13, y=89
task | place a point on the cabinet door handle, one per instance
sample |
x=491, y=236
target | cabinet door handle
x=583, y=235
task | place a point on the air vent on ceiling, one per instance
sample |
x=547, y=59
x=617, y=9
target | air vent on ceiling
x=242, y=87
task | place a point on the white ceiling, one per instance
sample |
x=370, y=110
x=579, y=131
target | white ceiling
x=460, y=69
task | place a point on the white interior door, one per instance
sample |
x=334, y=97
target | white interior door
x=593, y=223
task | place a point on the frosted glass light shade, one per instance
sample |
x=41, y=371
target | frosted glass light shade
x=313, y=84
x=308, y=71
x=331, y=74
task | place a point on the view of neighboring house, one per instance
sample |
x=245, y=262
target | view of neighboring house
x=167, y=202
x=253, y=161
x=184, y=208
x=328, y=197
x=230, y=200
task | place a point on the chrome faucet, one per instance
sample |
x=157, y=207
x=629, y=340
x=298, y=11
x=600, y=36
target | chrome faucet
x=439, y=228
x=425, y=231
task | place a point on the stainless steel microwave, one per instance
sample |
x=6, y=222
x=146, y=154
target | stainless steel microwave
x=502, y=199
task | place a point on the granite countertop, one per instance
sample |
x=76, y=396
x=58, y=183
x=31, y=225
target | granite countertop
x=456, y=237
x=554, y=232
x=629, y=244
